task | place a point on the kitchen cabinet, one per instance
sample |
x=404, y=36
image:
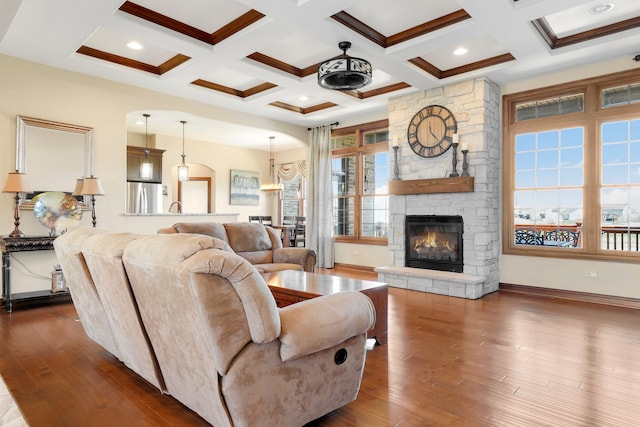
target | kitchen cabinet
x=135, y=158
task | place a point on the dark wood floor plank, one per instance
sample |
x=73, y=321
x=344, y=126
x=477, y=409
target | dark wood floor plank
x=508, y=359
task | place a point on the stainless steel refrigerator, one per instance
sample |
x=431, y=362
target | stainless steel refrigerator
x=144, y=198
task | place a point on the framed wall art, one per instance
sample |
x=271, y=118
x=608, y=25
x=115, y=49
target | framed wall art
x=244, y=188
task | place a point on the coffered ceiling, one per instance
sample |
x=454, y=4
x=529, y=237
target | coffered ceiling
x=261, y=56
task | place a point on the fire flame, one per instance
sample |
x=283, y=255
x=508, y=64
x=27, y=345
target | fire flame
x=432, y=239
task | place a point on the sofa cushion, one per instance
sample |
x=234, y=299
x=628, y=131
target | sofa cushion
x=248, y=237
x=212, y=229
x=257, y=243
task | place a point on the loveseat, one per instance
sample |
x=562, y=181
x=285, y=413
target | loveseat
x=223, y=347
x=259, y=244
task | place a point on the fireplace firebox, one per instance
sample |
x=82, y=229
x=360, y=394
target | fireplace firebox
x=434, y=242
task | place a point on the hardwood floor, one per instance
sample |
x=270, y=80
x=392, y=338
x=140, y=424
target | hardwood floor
x=505, y=360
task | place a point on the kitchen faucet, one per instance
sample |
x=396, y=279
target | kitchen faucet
x=176, y=203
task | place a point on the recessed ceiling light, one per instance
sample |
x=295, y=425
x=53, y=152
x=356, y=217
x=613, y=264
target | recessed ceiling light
x=139, y=122
x=134, y=45
x=601, y=8
x=460, y=51
x=304, y=98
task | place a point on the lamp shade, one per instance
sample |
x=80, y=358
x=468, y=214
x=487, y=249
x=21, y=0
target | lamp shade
x=183, y=173
x=92, y=187
x=77, y=190
x=17, y=183
x=146, y=167
x=183, y=169
x=271, y=187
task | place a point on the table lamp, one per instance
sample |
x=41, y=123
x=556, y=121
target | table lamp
x=16, y=183
x=92, y=187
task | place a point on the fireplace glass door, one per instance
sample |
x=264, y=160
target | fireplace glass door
x=434, y=242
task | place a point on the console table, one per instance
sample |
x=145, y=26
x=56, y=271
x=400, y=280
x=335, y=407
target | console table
x=9, y=245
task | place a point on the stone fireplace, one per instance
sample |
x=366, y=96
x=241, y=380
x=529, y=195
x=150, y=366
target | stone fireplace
x=426, y=189
x=434, y=242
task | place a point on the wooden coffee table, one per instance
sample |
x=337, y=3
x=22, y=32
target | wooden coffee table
x=291, y=286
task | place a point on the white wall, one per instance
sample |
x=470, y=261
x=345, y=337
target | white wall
x=33, y=90
x=361, y=255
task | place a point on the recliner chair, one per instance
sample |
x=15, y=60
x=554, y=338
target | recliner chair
x=227, y=352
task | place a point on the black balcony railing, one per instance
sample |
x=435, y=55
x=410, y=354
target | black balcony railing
x=613, y=237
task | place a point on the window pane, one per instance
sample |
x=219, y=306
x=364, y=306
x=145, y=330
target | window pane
x=571, y=177
x=343, y=141
x=621, y=95
x=292, y=193
x=614, y=175
x=360, y=178
x=547, y=178
x=548, y=140
x=635, y=130
x=525, y=161
x=376, y=173
x=620, y=219
x=375, y=137
x=614, y=153
x=344, y=176
x=525, y=179
x=526, y=142
x=549, y=214
x=571, y=157
x=550, y=107
x=620, y=205
x=343, y=216
x=620, y=156
x=615, y=132
x=548, y=159
x=572, y=137
x=375, y=216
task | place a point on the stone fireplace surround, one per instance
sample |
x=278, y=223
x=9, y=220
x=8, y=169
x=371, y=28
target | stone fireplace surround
x=476, y=106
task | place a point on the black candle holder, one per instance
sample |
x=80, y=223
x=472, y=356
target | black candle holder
x=465, y=163
x=454, y=161
x=396, y=170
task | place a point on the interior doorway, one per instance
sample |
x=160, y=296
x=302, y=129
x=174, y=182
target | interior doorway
x=195, y=195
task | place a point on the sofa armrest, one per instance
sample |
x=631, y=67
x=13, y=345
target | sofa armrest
x=302, y=256
x=320, y=323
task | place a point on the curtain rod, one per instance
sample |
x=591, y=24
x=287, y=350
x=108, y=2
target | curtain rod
x=331, y=124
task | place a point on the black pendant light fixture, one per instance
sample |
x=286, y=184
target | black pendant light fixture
x=146, y=167
x=183, y=169
x=344, y=72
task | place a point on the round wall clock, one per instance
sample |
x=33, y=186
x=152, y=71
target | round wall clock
x=430, y=132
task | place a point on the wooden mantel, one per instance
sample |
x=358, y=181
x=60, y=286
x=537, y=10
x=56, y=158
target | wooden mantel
x=459, y=184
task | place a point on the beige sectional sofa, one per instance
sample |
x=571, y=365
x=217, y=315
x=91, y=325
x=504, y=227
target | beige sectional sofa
x=93, y=269
x=259, y=244
x=222, y=346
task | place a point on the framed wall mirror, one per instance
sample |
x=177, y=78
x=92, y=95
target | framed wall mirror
x=53, y=155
